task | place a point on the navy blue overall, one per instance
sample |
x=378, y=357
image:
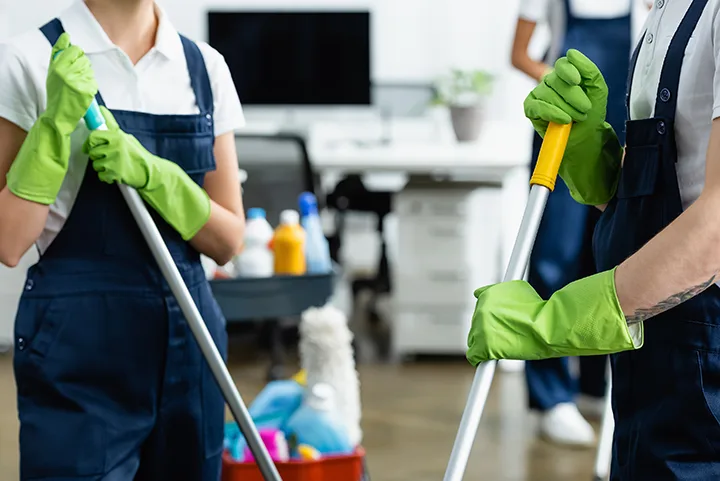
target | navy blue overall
x=563, y=249
x=111, y=383
x=666, y=395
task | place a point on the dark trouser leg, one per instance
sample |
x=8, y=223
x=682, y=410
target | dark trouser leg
x=87, y=384
x=549, y=383
x=593, y=370
x=188, y=438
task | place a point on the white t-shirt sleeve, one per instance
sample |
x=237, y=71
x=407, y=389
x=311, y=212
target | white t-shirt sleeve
x=228, y=115
x=19, y=98
x=533, y=10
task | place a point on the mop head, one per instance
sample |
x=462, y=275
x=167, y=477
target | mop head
x=326, y=355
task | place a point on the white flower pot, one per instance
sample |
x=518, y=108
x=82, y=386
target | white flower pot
x=466, y=122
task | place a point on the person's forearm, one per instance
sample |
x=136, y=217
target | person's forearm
x=530, y=67
x=519, y=54
x=679, y=263
x=21, y=223
x=221, y=238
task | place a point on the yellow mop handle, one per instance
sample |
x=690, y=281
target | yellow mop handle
x=551, y=154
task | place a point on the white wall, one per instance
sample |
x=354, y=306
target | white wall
x=413, y=40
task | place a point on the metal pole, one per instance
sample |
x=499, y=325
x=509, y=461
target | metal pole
x=603, y=458
x=484, y=374
x=195, y=321
x=542, y=183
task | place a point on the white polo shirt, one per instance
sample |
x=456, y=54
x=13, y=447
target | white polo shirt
x=158, y=84
x=698, y=98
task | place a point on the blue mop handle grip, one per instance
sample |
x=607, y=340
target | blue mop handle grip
x=93, y=117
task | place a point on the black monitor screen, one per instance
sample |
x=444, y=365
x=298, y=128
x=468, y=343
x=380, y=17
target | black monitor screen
x=295, y=58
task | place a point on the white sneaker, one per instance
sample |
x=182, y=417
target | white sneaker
x=590, y=407
x=564, y=425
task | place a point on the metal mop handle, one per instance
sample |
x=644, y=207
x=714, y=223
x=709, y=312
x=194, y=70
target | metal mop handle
x=542, y=183
x=603, y=457
x=95, y=121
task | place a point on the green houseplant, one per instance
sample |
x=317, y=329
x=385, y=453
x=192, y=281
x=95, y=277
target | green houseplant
x=464, y=92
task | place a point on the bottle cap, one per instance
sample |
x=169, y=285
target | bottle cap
x=289, y=217
x=308, y=203
x=322, y=397
x=256, y=213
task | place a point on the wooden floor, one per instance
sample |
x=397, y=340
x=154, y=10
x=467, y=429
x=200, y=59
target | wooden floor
x=410, y=417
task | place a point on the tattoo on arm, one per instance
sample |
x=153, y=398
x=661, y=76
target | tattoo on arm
x=672, y=301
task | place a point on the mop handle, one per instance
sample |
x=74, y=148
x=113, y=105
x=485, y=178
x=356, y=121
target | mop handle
x=551, y=154
x=95, y=121
x=542, y=183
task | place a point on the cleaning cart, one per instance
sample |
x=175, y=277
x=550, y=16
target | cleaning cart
x=331, y=468
x=310, y=423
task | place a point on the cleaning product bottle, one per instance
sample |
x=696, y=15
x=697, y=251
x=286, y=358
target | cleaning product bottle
x=317, y=251
x=288, y=244
x=271, y=409
x=256, y=259
x=276, y=444
x=317, y=424
x=276, y=403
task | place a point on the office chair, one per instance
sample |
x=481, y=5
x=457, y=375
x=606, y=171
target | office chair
x=350, y=194
x=278, y=170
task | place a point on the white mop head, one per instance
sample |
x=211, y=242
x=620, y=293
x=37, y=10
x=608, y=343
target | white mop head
x=326, y=354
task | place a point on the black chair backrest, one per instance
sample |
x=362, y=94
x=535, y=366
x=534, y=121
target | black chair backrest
x=278, y=170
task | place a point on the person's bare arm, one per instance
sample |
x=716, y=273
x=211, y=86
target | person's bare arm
x=683, y=259
x=21, y=221
x=520, y=58
x=222, y=236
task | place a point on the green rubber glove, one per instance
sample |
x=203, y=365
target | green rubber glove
x=575, y=91
x=584, y=318
x=120, y=157
x=39, y=168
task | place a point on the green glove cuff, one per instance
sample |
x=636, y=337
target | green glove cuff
x=38, y=171
x=600, y=326
x=584, y=318
x=592, y=174
x=176, y=197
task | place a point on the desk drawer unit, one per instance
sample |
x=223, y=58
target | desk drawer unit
x=431, y=330
x=449, y=245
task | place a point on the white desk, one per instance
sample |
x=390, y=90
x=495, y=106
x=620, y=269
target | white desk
x=416, y=146
x=419, y=147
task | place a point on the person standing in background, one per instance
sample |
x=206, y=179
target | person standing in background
x=563, y=249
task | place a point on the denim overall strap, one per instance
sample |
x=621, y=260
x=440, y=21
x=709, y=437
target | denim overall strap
x=666, y=99
x=52, y=31
x=199, y=79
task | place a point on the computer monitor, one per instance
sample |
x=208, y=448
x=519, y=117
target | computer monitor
x=296, y=58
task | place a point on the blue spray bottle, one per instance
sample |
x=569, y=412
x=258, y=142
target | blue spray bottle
x=317, y=251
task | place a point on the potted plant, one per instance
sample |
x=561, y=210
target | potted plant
x=463, y=92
